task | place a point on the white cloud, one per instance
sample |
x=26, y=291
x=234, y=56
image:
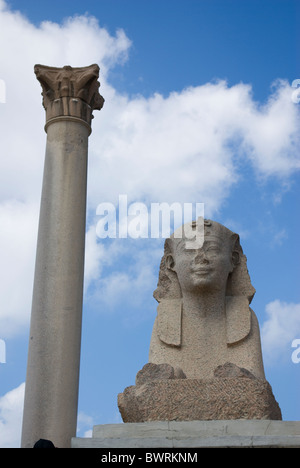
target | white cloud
x=279, y=238
x=11, y=413
x=85, y=425
x=278, y=331
x=18, y=232
x=94, y=256
x=128, y=281
x=183, y=147
x=188, y=146
x=78, y=41
x=272, y=133
x=88, y=433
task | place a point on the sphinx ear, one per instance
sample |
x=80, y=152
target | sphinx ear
x=235, y=258
x=170, y=263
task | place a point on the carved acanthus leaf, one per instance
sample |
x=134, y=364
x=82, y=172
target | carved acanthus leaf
x=70, y=91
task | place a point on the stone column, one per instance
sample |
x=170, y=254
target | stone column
x=51, y=397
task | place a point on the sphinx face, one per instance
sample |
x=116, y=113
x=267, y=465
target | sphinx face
x=204, y=269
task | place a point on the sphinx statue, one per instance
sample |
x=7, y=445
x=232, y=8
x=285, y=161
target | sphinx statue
x=203, y=316
x=205, y=358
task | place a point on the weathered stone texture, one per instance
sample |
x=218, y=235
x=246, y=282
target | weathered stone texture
x=203, y=314
x=70, y=92
x=234, y=394
x=51, y=394
x=152, y=371
x=205, y=359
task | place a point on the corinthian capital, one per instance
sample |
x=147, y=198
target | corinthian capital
x=70, y=92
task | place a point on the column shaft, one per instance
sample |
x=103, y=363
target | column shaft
x=50, y=410
x=51, y=395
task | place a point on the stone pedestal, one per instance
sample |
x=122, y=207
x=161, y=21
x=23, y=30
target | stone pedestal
x=51, y=395
x=162, y=393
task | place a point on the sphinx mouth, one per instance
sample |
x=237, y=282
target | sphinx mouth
x=201, y=271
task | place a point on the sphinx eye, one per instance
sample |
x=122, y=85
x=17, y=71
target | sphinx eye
x=213, y=248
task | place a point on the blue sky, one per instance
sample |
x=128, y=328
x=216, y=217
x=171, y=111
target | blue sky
x=198, y=108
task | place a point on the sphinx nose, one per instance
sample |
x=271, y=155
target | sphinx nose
x=201, y=257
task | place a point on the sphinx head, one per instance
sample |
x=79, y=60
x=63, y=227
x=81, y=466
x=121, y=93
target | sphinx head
x=217, y=265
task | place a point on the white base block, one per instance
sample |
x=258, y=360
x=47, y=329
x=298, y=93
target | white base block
x=194, y=434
